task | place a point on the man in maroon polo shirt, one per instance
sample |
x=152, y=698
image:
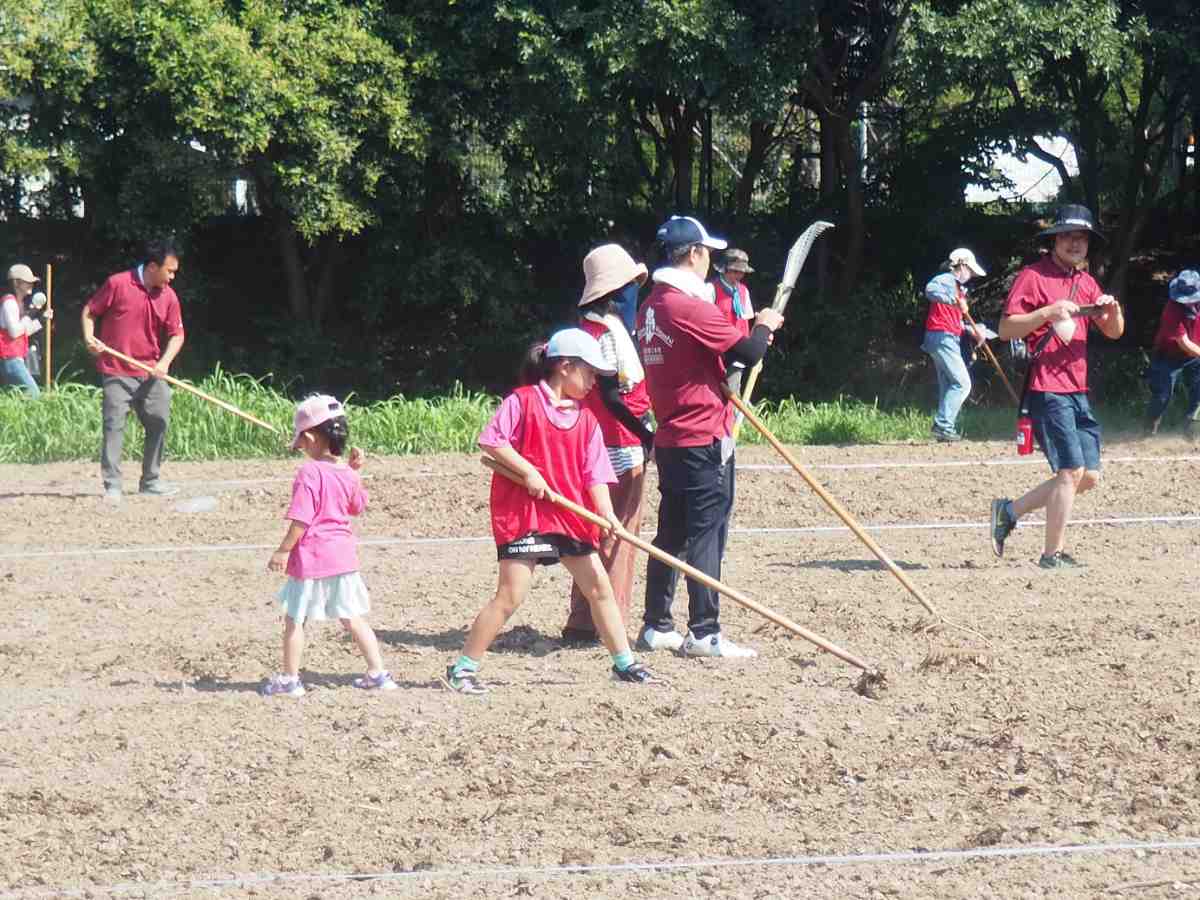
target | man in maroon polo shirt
x=686, y=344
x=1043, y=308
x=134, y=310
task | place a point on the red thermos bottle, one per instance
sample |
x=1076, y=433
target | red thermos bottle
x=1024, y=436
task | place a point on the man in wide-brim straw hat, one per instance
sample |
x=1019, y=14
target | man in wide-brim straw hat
x=618, y=402
x=1177, y=352
x=1042, y=309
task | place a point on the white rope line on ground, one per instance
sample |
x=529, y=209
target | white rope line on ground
x=509, y=872
x=419, y=541
x=742, y=467
x=957, y=463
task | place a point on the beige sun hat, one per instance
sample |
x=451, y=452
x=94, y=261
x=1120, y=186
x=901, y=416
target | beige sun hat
x=606, y=269
x=22, y=272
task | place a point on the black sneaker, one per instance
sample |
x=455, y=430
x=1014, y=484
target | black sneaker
x=1002, y=524
x=464, y=682
x=1059, y=560
x=635, y=674
x=946, y=437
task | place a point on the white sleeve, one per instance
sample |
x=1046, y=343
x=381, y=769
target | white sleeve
x=10, y=318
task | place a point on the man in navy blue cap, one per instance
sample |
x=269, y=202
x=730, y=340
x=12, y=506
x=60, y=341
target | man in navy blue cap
x=686, y=343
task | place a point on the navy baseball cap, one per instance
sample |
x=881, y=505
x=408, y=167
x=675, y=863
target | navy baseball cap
x=679, y=231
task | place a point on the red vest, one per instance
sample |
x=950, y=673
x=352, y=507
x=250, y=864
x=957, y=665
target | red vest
x=13, y=347
x=725, y=304
x=558, y=453
x=945, y=317
x=638, y=401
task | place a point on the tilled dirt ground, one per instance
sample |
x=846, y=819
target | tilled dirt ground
x=136, y=756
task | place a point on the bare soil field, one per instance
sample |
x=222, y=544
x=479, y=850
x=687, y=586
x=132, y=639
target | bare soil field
x=138, y=759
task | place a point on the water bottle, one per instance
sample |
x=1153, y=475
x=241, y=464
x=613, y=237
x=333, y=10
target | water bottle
x=1024, y=436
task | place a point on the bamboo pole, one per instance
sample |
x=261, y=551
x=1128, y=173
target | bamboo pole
x=688, y=570
x=48, y=379
x=832, y=502
x=183, y=385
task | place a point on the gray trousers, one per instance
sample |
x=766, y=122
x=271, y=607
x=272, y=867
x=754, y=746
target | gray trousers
x=150, y=399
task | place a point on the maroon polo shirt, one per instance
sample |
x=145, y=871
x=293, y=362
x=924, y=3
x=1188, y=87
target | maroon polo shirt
x=682, y=339
x=1062, y=367
x=1174, y=325
x=133, y=320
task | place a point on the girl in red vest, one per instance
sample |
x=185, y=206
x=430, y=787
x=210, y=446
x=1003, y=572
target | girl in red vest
x=17, y=323
x=543, y=433
x=619, y=402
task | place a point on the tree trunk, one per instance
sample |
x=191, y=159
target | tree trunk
x=1143, y=178
x=762, y=134
x=287, y=240
x=854, y=225
x=329, y=251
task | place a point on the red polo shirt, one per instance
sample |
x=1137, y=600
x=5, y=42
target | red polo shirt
x=132, y=319
x=1062, y=366
x=1174, y=325
x=682, y=339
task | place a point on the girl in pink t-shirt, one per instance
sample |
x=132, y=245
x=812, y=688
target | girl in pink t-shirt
x=319, y=552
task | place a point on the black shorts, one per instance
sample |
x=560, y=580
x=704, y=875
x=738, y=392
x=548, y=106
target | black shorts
x=543, y=549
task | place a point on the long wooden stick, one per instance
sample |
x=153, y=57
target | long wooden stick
x=690, y=571
x=832, y=503
x=48, y=380
x=183, y=385
x=995, y=362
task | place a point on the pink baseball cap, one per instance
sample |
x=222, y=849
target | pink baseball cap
x=313, y=411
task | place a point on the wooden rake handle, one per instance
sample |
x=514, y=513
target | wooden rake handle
x=832, y=503
x=691, y=572
x=184, y=386
x=995, y=362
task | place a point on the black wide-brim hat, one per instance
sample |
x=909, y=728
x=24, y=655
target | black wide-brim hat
x=1073, y=217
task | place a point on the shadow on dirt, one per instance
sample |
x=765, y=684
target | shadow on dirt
x=522, y=639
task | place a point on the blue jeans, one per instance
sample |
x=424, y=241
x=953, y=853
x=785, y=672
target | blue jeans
x=13, y=372
x=954, y=382
x=1164, y=372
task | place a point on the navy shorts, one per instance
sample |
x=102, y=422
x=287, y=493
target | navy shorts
x=543, y=549
x=1066, y=429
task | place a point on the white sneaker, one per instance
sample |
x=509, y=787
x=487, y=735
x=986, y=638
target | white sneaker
x=715, y=645
x=653, y=639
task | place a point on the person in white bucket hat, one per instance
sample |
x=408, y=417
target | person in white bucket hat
x=619, y=402
x=947, y=296
x=19, y=319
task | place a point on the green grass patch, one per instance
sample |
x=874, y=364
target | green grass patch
x=64, y=424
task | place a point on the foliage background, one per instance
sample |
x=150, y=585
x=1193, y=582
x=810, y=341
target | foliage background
x=420, y=180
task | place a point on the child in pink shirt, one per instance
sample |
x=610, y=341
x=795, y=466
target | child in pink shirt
x=319, y=552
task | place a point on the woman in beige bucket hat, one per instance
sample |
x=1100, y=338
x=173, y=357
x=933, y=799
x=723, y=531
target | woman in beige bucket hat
x=618, y=402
